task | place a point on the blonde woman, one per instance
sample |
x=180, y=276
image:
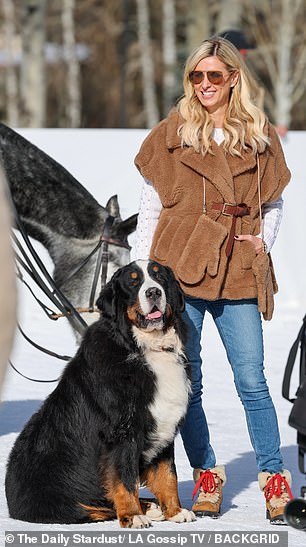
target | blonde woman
x=210, y=209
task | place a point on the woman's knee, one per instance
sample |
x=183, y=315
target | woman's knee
x=251, y=383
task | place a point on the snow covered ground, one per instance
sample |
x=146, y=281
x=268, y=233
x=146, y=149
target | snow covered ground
x=243, y=507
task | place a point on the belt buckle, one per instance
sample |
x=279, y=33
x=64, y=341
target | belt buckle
x=223, y=209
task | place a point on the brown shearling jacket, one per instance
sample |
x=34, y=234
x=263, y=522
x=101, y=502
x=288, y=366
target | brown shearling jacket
x=192, y=241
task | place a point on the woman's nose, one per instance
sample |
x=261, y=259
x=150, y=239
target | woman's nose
x=205, y=82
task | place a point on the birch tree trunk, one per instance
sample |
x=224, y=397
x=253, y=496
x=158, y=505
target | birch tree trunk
x=73, y=81
x=198, y=23
x=169, y=54
x=285, y=43
x=33, y=77
x=11, y=81
x=280, y=39
x=229, y=17
x=147, y=64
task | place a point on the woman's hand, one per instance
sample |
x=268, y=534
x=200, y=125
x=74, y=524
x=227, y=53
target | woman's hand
x=255, y=240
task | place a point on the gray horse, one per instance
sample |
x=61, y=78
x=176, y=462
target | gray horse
x=59, y=212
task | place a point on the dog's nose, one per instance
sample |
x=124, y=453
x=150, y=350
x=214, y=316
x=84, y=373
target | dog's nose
x=153, y=293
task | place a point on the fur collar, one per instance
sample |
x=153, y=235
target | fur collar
x=220, y=168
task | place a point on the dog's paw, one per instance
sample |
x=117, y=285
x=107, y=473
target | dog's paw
x=184, y=515
x=154, y=512
x=134, y=521
x=140, y=521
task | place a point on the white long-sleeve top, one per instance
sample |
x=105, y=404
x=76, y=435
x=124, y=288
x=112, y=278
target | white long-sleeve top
x=151, y=206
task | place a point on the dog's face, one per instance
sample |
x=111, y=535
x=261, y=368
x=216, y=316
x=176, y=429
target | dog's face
x=145, y=293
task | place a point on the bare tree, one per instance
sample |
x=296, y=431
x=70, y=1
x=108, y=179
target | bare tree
x=147, y=64
x=33, y=80
x=73, y=84
x=278, y=29
x=198, y=22
x=143, y=67
x=229, y=16
x=11, y=80
x=169, y=54
x=290, y=66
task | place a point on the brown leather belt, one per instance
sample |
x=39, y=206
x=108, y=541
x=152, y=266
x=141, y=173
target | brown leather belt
x=230, y=209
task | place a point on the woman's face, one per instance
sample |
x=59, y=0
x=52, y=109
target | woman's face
x=214, y=96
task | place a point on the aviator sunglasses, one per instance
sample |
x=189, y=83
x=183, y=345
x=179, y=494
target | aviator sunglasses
x=214, y=77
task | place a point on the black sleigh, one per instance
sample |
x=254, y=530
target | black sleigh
x=295, y=511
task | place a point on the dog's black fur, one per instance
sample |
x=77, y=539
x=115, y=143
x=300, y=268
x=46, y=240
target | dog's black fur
x=59, y=212
x=82, y=456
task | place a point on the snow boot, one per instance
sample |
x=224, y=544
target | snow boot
x=209, y=484
x=276, y=489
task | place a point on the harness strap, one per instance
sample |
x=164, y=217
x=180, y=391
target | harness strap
x=32, y=379
x=102, y=260
x=56, y=296
x=46, y=283
x=42, y=349
x=83, y=263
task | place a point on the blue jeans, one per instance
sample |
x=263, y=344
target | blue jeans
x=239, y=325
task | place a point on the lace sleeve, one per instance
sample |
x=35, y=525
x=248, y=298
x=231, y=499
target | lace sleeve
x=272, y=214
x=148, y=215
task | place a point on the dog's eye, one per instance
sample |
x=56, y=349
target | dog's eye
x=134, y=279
x=157, y=272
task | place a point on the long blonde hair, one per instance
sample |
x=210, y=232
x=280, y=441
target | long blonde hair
x=244, y=121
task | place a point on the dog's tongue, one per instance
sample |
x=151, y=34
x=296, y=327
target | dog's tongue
x=154, y=315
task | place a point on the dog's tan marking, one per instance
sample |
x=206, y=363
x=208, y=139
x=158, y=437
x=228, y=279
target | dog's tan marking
x=132, y=313
x=98, y=513
x=127, y=505
x=162, y=482
x=134, y=275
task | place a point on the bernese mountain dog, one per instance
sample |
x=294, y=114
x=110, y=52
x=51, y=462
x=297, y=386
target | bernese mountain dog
x=109, y=425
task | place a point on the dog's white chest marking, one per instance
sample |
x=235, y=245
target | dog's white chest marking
x=172, y=386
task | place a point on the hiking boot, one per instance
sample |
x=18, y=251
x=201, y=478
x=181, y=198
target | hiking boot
x=209, y=488
x=276, y=489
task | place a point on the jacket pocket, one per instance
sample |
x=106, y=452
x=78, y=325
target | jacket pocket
x=165, y=232
x=247, y=254
x=170, y=238
x=202, y=251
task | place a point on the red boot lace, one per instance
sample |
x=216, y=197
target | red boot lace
x=274, y=487
x=207, y=481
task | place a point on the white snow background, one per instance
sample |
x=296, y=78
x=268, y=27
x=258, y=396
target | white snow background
x=102, y=160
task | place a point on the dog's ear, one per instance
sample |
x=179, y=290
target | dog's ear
x=107, y=301
x=108, y=298
x=176, y=292
x=180, y=297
